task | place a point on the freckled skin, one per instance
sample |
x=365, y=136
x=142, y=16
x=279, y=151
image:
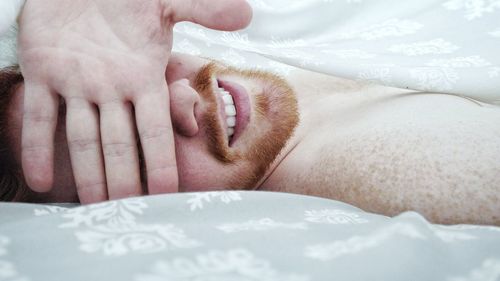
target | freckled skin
x=388, y=150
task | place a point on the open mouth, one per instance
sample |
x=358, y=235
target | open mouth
x=236, y=104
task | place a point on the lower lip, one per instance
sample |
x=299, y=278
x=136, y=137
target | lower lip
x=242, y=104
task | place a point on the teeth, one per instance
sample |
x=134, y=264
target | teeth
x=231, y=121
x=222, y=91
x=228, y=99
x=230, y=110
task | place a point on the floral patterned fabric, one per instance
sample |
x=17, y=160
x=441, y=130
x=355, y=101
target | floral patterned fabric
x=442, y=46
x=237, y=236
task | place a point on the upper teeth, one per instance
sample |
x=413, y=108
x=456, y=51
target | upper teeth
x=230, y=110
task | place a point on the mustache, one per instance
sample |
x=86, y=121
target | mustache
x=275, y=112
x=217, y=139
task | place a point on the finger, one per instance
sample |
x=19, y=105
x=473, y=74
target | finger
x=155, y=131
x=216, y=14
x=82, y=130
x=40, y=111
x=120, y=150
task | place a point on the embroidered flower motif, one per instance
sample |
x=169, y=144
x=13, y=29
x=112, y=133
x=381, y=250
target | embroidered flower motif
x=278, y=43
x=259, y=225
x=134, y=238
x=434, y=78
x=388, y=28
x=279, y=68
x=234, y=265
x=231, y=57
x=193, y=31
x=453, y=236
x=197, y=199
x=8, y=271
x=108, y=213
x=356, y=244
x=187, y=47
x=460, y=62
x=47, y=210
x=236, y=39
x=473, y=9
x=376, y=75
x=111, y=228
x=434, y=47
x=329, y=216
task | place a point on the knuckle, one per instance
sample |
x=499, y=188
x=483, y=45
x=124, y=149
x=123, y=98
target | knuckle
x=117, y=150
x=110, y=104
x=81, y=145
x=162, y=170
x=32, y=149
x=38, y=117
x=75, y=102
x=90, y=186
x=153, y=133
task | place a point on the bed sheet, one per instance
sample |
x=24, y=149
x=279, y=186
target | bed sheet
x=430, y=45
x=237, y=235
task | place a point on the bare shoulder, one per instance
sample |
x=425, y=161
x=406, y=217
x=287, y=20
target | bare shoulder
x=433, y=153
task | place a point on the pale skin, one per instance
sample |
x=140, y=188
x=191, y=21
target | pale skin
x=105, y=57
x=385, y=150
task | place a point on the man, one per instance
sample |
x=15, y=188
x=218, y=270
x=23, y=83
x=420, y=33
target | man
x=383, y=149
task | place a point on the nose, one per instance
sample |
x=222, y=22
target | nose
x=183, y=100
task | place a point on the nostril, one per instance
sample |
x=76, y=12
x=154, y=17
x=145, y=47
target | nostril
x=183, y=100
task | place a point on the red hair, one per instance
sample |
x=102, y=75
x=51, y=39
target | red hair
x=12, y=186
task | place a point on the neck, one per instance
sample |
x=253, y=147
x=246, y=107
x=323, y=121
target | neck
x=326, y=105
x=316, y=96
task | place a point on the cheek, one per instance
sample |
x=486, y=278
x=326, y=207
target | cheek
x=198, y=169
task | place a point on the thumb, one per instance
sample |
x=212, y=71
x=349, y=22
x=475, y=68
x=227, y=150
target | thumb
x=225, y=15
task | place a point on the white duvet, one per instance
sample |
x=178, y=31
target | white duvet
x=443, y=46
x=237, y=236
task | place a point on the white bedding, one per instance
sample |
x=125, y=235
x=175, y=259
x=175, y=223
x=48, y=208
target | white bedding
x=237, y=236
x=430, y=45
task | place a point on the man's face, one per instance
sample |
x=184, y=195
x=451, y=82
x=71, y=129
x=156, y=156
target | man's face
x=229, y=125
x=234, y=145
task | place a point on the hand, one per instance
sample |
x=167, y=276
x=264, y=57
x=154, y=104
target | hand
x=107, y=60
